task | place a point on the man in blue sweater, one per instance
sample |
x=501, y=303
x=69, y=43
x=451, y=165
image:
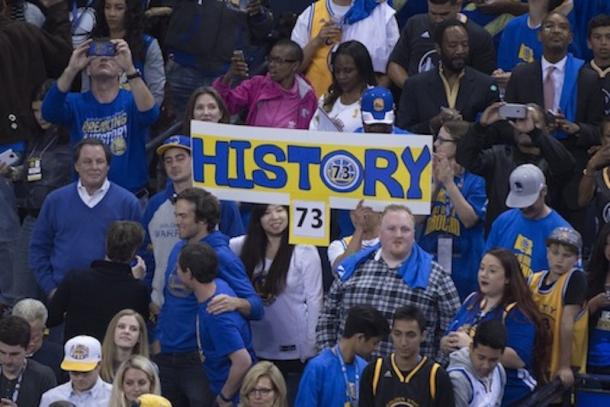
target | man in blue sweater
x=182, y=378
x=118, y=117
x=71, y=228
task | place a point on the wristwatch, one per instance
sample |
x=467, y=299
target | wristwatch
x=136, y=74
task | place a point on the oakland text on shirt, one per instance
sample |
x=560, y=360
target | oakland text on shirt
x=443, y=217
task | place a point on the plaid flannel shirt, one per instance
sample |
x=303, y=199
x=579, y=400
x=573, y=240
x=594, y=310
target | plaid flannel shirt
x=374, y=283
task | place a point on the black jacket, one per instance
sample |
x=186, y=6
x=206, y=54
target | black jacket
x=491, y=153
x=90, y=298
x=424, y=94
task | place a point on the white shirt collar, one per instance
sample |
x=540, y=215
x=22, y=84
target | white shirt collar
x=560, y=66
x=96, y=197
x=101, y=190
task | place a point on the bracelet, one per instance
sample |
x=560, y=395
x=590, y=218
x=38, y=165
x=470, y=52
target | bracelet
x=587, y=173
x=223, y=398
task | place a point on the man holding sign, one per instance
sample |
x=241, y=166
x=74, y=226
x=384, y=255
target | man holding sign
x=393, y=273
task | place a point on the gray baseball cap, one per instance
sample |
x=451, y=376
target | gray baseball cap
x=567, y=236
x=526, y=182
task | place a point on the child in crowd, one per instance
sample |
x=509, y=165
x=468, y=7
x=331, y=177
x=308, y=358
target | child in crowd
x=560, y=294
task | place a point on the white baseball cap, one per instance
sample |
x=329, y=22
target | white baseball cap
x=526, y=182
x=81, y=354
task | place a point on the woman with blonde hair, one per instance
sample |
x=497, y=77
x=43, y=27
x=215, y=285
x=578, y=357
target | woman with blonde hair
x=126, y=335
x=136, y=376
x=263, y=386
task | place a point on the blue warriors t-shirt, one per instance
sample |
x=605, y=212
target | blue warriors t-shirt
x=118, y=124
x=525, y=237
x=221, y=335
x=467, y=243
x=519, y=44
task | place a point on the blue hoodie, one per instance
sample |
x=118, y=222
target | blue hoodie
x=176, y=325
x=159, y=223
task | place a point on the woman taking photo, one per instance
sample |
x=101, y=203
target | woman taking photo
x=126, y=336
x=598, y=300
x=352, y=72
x=503, y=294
x=136, y=376
x=124, y=19
x=289, y=280
x=263, y=386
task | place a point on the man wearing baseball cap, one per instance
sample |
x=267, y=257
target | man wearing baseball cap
x=525, y=228
x=82, y=356
x=159, y=219
x=377, y=108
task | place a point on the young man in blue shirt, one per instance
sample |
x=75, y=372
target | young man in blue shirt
x=224, y=340
x=333, y=377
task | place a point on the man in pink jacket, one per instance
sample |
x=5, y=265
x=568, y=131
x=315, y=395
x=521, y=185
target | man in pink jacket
x=282, y=98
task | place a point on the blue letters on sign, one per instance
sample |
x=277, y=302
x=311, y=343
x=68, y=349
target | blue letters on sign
x=379, y=167
x=241, y=181
x=415, y=169
x=260, y=176
x=304, y=156
x=220, y=160
x=374, y=174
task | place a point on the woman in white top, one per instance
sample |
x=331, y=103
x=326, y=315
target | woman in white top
x=353, y=73
x=289, y=280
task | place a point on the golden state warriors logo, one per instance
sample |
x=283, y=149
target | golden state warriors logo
x=378, y=105
x=342, y=171
x=79, y=352
x=118, y=146
x=403, y=402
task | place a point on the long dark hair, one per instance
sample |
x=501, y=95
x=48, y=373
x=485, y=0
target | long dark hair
x=517, y=291
x=134, y=27
x=253, y=254
x=362, y=60
x=190, y=107
x=597, y=269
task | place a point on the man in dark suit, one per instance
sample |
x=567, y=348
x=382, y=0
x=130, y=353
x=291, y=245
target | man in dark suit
x=572, y=98
x=450, y=91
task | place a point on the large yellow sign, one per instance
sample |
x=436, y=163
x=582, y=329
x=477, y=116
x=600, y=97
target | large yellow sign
x=280, y=166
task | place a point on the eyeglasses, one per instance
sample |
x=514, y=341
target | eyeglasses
x=442, y=140
x=260, y=391
x=280, y=60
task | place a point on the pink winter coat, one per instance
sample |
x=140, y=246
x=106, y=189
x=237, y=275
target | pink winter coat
x=252, y=93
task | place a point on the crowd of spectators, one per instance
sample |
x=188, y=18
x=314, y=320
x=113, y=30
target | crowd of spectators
x=122, y=284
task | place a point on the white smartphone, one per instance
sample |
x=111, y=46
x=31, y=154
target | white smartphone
x=9, y=157
x=513, y=111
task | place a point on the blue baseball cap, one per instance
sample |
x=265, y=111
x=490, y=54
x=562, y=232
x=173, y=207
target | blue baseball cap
x=178, y=140
x=377, y=106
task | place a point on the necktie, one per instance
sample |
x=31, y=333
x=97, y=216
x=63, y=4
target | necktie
x=549, y=89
